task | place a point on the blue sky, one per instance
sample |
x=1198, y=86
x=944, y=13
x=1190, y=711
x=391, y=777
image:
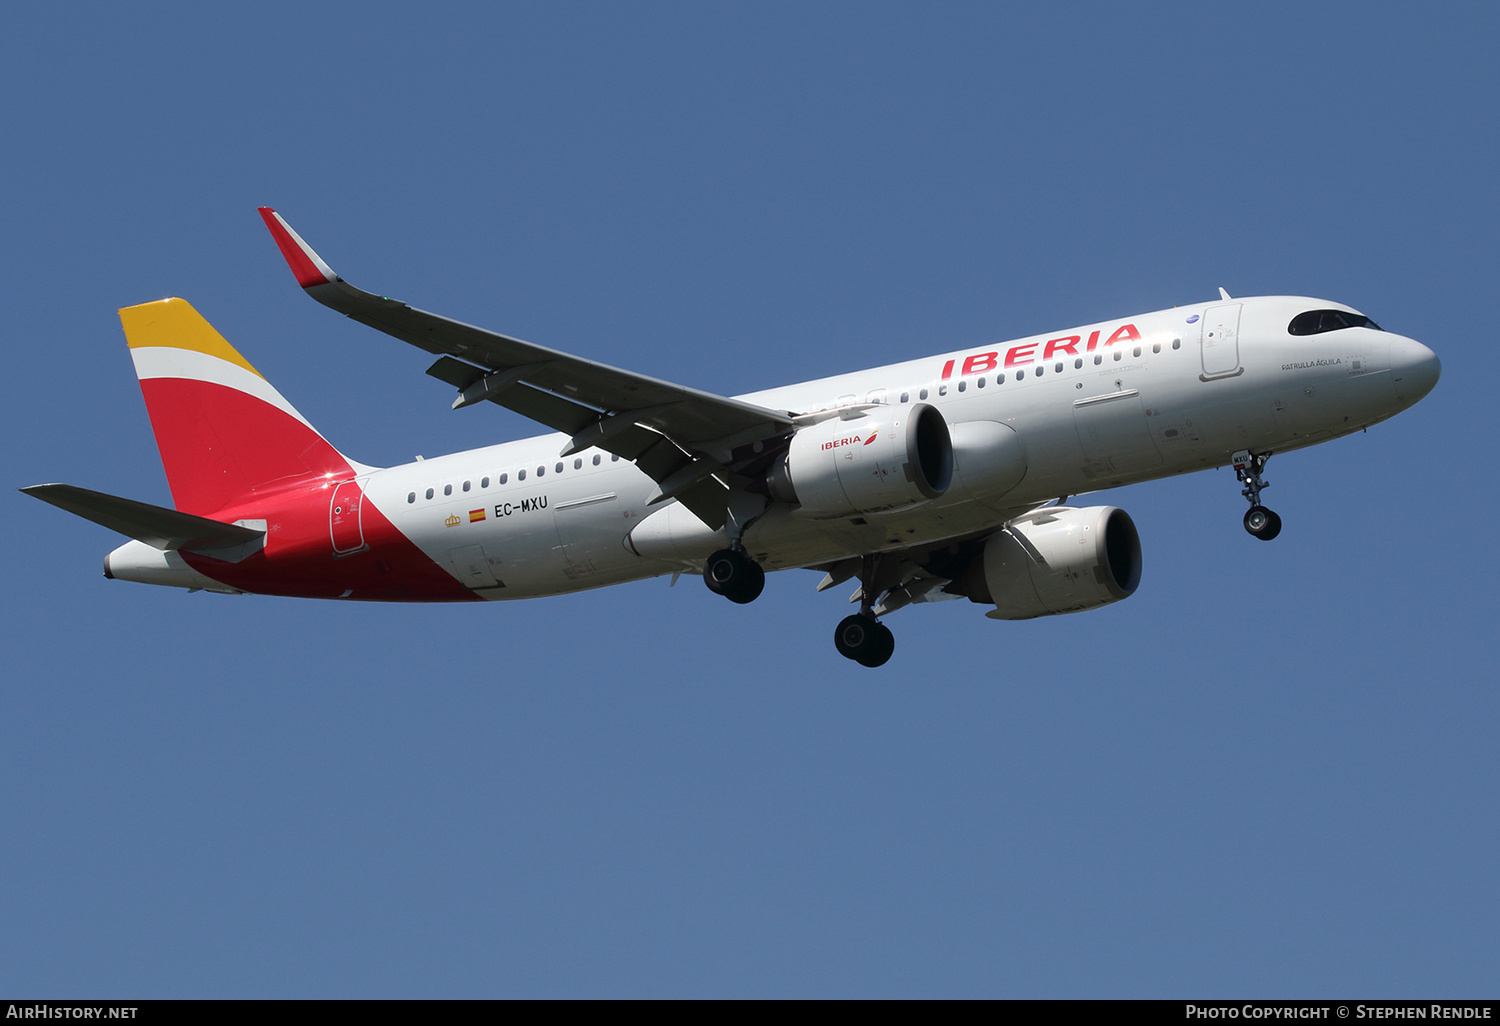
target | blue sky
x=1271, y=772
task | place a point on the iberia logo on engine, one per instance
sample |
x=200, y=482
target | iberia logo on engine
x=850, y=440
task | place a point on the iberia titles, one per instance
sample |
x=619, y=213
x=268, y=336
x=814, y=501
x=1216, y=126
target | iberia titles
x=1024, y=353
x=851, y=440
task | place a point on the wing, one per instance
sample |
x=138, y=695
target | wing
x=684, y=439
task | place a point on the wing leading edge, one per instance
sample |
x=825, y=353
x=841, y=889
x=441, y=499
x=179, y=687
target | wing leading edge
x=682, y=438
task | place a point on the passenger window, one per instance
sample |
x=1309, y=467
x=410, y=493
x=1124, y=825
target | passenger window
x=541, y=471
x=1098, y=359
x=1039, y=371
x=923, y=394
x=447, y=489
x=429, y=493
x=596, y=459
x=999, y=379
x=1156, y=347
x=1118, y=354
x=1057, y=369
x=411, y=496
x=1137, y=351
x=981, y=382
x=578, y=463
x=1020, y=375
x=905, y=397
x=559, y=467
x=484, y=482
x=521, y=475
x=614, y=457
x=1078, y=363
x=1177, y=343
x=466, y=486
x=503, y=478
x=962, y=385
x=942, y=390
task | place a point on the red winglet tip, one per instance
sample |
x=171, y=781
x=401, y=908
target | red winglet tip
x=307, y=267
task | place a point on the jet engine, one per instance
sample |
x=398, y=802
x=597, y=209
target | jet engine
x=888, y=458
x=1056, y=560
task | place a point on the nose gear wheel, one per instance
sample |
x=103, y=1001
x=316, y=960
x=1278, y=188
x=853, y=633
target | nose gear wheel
x=1261, y=522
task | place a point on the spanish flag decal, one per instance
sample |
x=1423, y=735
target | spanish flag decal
x=476, y=515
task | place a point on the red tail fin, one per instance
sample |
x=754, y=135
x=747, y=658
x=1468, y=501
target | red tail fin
x=223, y=431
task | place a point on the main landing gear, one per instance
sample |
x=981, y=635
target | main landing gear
x=731, y=573
x=861, y=637
x=1259, y=521
x=864, y=639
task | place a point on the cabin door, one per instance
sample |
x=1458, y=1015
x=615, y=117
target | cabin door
x=1220, y=342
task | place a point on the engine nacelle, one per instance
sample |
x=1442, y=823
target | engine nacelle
x=1057, y=560
x=890, y=458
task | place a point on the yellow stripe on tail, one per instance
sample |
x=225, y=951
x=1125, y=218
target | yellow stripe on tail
x=174, y=324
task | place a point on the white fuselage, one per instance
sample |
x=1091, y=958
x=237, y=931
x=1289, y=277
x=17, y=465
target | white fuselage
x=1180, y=390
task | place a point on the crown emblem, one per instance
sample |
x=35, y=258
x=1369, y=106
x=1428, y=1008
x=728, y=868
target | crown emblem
x=452, y=521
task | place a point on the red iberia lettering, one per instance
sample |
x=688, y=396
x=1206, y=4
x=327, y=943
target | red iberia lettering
x=981, y=362
x=1068, y=345
x=1025, y=353
x=838, y=442
x=1021, y=354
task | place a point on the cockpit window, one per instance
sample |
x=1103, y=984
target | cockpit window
x=1315, y=322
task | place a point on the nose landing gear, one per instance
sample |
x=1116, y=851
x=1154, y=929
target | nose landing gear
x=1262, y=523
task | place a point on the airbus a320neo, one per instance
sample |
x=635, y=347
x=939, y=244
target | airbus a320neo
x=941, y=477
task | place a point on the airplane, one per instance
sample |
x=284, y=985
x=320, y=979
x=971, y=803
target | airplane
x=945, y=477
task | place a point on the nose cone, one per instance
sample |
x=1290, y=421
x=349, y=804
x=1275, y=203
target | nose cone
x=1414, y=368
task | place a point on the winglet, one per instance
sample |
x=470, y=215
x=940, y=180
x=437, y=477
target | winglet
x=306, y=265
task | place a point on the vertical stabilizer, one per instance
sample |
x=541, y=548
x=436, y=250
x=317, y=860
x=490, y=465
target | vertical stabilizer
x=224, y=433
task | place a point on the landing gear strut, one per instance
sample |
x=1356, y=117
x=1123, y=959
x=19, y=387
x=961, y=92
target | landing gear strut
x=1259, y=521
x=861, y=637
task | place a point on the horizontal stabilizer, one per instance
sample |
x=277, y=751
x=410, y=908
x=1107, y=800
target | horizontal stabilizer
x=156, y=526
